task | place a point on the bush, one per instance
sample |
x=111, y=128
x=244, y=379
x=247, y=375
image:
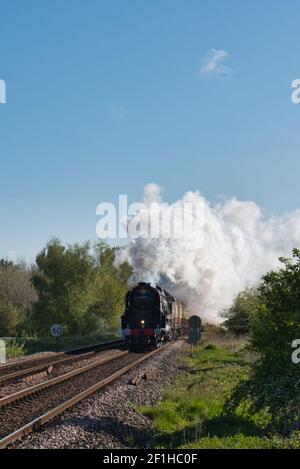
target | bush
x=8, y=319
x=14, y=349
x=239, y=315
x=274, y=384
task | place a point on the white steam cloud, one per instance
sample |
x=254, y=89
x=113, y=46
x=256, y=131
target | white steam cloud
x=239, y=244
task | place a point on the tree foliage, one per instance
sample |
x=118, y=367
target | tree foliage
x=64, y=282
x=277, y=321
x=8, y=319
x=274, y=384
x=111, y=285
x=16, y=296
x=238, y=316
x=78, y=287
x=15, y=284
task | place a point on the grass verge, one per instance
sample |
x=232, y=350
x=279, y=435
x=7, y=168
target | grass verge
x=27, y=346
x=193, y=413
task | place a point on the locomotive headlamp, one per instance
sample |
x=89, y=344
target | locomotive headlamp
x=142, y=323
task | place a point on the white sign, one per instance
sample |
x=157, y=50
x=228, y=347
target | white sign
x=2, y=352
x=56, y=330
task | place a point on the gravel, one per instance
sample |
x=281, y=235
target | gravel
x=110, y=418
x=78, y=361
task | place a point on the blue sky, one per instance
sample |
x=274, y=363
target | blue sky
x=106, y=96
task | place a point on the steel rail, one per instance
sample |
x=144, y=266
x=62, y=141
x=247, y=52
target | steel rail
x=51, y=382
x=46, y=417
x=73, y=352
x=34, y=369
x=45, y=366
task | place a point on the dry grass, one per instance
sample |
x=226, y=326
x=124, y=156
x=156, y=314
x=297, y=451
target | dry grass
x=221, y=338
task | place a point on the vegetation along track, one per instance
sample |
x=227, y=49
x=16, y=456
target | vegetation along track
x=22, y=368
x=23, y=412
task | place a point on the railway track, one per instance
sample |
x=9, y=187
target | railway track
x=34, y=365
x=25, y=411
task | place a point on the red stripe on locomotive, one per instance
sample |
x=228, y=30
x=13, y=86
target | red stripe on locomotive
x=137, y=332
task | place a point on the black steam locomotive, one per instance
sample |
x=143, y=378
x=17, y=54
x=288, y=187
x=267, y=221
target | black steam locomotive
x=152, y=316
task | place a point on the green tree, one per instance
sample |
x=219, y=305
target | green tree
x=273, y=387
x=15, y=284
x=277, y=322
x=16, y=292
x=111, y=285
x=9, y=317
x=64, y=280
x=239, y=314
x=79, y=287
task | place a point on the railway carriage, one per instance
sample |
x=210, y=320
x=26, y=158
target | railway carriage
x=152, y=316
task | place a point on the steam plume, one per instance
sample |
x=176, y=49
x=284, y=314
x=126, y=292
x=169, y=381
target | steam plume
x=239, y=243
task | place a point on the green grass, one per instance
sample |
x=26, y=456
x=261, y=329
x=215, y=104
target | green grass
x=14, y=349
x=241, y=441
x=48, y=344
x=193, y=411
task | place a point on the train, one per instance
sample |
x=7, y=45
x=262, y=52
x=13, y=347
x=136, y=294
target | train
x=152, y=316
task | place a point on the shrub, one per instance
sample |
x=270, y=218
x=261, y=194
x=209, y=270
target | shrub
x=14, y=349
x=274, y=383
x=239, y=315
